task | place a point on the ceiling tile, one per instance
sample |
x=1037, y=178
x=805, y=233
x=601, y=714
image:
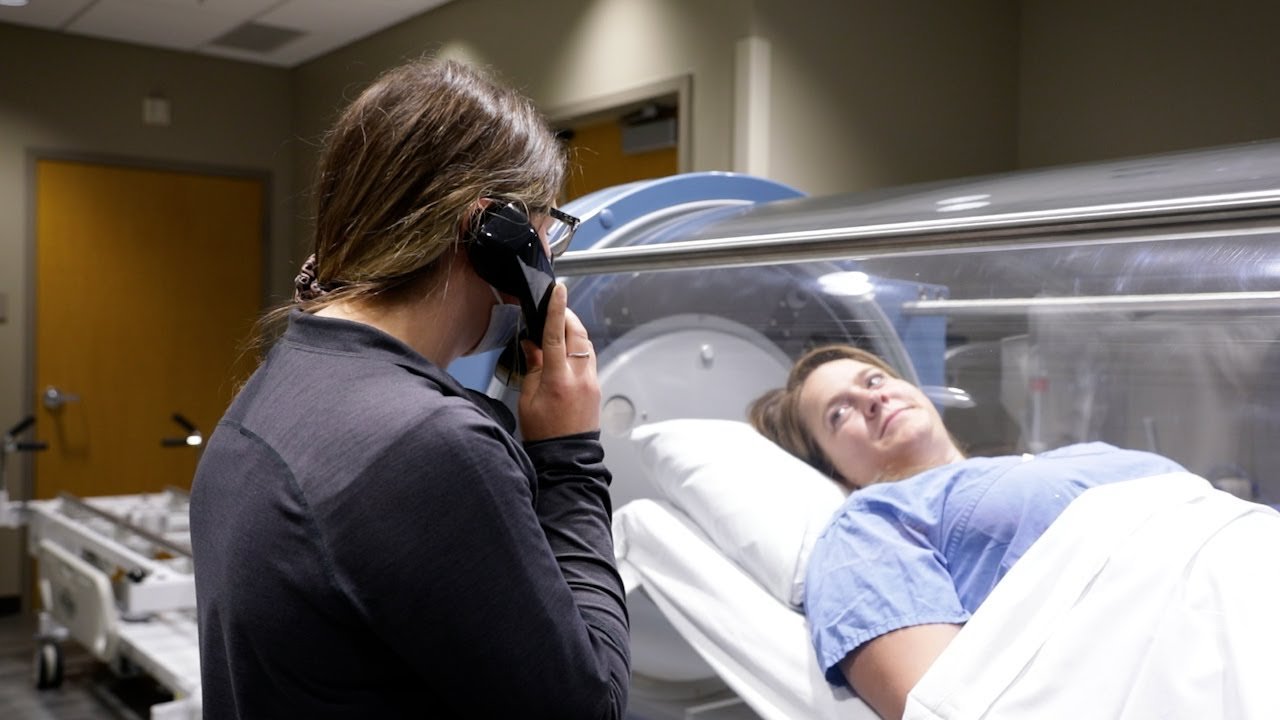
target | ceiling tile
x=351, y=19
x=226, y=7
x=43, y=13
x=191, y=24
x=179, y=24
x=315, y=45
x=298, y=51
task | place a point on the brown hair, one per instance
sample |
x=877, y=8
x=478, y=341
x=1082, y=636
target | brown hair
x=776, y=414
x=409, y=158
x=403, y=167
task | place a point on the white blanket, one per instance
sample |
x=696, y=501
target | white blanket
x=1153, y=598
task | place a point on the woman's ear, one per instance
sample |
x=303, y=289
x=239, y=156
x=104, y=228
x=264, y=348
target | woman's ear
x=469, y=217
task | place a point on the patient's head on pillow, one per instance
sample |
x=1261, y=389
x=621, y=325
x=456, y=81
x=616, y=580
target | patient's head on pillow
x=760, y=506
x=776, y=414
x=850, y=415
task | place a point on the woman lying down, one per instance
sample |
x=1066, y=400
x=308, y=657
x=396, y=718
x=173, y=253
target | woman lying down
x=1144, y=593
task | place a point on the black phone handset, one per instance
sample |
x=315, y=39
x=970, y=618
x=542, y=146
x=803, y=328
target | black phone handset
x=507, y=252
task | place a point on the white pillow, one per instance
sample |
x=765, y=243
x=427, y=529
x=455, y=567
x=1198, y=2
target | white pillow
x=760, y=505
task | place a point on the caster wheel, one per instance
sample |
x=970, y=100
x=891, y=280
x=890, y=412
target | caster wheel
x=48, y=665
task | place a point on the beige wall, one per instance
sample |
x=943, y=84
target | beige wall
x=68, y=94
x=1104, y=79
x=869, y=93
x=862, y=94
x=563, y=53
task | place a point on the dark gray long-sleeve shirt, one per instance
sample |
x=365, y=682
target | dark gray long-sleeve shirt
x=370, y=541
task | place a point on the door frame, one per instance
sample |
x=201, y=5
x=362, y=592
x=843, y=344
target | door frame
x=616, y=104
x=26, y=469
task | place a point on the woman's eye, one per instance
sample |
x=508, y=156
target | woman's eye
x=875, y=380
x=837, y=413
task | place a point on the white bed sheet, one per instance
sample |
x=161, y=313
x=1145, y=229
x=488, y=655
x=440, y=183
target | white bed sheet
x=756, y=644
x=1152, y=598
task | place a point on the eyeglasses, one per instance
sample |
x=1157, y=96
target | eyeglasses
x=560, y=231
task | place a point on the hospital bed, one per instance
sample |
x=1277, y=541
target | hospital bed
x=1036, y=309
x=115, y=576
x=731, y=591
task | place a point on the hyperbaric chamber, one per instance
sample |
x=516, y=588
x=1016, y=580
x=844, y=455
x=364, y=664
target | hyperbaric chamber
x=687, y=343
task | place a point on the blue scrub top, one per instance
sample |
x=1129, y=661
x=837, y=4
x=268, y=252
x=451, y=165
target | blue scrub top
x=929, y=549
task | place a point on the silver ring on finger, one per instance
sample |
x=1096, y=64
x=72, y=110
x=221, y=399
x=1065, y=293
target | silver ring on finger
x=580, y=354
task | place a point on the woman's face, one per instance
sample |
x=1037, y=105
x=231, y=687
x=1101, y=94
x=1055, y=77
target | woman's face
x=871, y=425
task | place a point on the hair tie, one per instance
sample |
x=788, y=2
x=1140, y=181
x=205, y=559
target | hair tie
x=306, y=287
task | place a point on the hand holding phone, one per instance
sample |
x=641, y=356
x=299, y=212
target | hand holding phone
x=561, y=392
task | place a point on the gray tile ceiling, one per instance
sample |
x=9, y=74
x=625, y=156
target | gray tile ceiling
x=272, y=32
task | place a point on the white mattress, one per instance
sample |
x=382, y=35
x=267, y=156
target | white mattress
x=167, y=647
x=756, y=644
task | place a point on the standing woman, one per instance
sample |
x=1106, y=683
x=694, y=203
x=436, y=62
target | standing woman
x=370, y=539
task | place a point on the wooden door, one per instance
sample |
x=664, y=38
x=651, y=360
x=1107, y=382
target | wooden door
x=597, y=161
x=147, y=285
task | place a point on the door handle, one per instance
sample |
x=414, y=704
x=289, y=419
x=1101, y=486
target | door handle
x=53, y=398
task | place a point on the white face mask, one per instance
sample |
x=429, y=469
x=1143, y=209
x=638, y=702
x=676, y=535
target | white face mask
x=504, y=319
